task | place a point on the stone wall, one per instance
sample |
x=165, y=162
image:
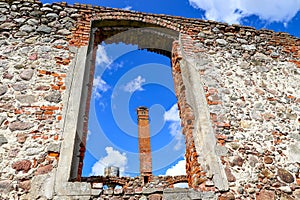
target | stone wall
x=240, y=115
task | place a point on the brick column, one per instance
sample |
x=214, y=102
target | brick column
x=144, y=142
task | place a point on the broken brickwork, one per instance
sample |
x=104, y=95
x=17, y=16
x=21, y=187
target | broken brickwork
x=237, y=90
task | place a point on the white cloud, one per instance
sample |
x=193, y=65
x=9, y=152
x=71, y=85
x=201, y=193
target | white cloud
x=128, y=8
x=175, y=131
x=88, y=135
x=99, y=86
x=232, y=11
x=102, y=57
x=135, y=84
x=178, y=169
x=172, y=116
x=113, y=158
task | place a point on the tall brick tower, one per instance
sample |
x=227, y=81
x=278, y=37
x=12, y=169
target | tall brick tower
x=144, y=143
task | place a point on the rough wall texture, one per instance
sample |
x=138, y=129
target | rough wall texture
x=240, y=119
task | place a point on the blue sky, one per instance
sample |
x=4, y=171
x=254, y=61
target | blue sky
x=126, y=78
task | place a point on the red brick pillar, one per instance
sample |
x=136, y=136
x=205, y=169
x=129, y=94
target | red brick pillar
x=144, y=143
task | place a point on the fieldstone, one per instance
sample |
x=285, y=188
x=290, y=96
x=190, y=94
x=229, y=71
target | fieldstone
x=237, y=161
x=52, y=15
x=253, y=161
x=27, y=99
x=25, y=185
x=19, y=86
x=53, y=148
x=44, y=29
x=227, y=196
x=221, y=42
x=296, y=193
x=43, y=87
x=44, y=170
x=3, y=140
x=32, y=22
x=21, y=137
x=7, y=26
x=294, y=152
x=285, y=189
x=54, y=97
x=26, y=74
x=286, y=197
x=267, y=173
x=33, y=56
x=265, y=195
x=23, y=165
x=20, y=20
x=27, y=28
x=285, y=175
x=155, y=197
x=268, y=160
x=249, y=47
x=230, y=176
x=64, y=32
x=3, y=90
x=20, y=126
x=6, y=186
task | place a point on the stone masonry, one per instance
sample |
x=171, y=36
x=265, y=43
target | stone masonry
x=237, y=89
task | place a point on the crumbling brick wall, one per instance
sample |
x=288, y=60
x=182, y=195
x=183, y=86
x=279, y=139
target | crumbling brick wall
x=248, y=86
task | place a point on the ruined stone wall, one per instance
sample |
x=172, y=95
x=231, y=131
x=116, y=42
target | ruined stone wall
x=240, y=118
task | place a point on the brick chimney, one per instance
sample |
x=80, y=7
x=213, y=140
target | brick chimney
x=144, y=143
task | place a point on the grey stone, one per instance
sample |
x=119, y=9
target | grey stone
x=3, y=18
x=32, y=22
x=44, y=29
x=6, y=186
x=27, y=99
x=46, y=9
x=249, y=47
x=36, y=13
x=241, y=40
x=2, y=119
x=20, y=126
x=3, y=140
x=54, y=96
x=64, y=32
x=7, y=26
x=3, y=90
x=176, y=194
x=26, y=74
x=52, y=15
x=294, y=152
x=53, y=148
x=42, y=186
x=19, y=86
x=20, y=20
x=221, y=150
x=221, y=42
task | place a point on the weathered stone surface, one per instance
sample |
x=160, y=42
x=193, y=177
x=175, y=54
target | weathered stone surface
x=20, y=126
x=44, y=29
x=25, y=185
x=266, y=195
x=23, y=165
x=27, y=99
x=21, y=137
x=54, y=96
x=230, y=176
x=3, y=90
x=155, y=197
x=26, y=74
x=6, y=186
x=294, y=152
x=227, y=196
x=268, y=160
x=285, y=175
x=44, y=170
x=3, y=140
x=19, y=86
x=237, y=161
x=27, y=28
